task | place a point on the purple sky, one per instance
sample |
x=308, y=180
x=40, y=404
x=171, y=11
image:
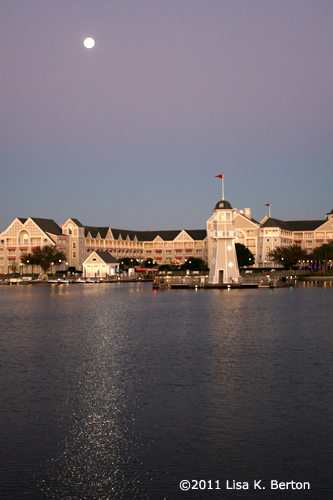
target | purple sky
x=130, y=134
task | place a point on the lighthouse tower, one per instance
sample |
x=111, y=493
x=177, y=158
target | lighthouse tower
x=222, y=259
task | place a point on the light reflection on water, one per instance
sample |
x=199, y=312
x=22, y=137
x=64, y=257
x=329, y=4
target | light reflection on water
x=112, y=391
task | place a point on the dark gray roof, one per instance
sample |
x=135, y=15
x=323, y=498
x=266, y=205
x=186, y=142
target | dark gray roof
x=166, y=235
x=124, y=233
x=170, y=235
x=304, y=225
x=197, y=234
x=294, y=225
x=107, y=257
x=47, y=225
x=95, y=230
x=21, y=219
x=77, y=222
x=103, y=231
x=270, y=222
x=224, y=204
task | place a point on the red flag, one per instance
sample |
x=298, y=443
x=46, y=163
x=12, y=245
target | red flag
x=219, y=176
x=267, y=205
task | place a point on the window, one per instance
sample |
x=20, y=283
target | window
x=74, y=254
x=227, y=216
x=74, y=244
x=70, y=229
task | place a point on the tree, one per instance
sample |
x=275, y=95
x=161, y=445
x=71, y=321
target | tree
x=194, y=264
x=44, y=257
x=127, y=263
x=29, y=259
x=149, y=263
x=288, y=256
x=324, y=253
x=244, y=256
x=164, y=267
x=13, y=266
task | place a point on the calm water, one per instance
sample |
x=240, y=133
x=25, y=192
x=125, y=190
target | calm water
x=119, y=392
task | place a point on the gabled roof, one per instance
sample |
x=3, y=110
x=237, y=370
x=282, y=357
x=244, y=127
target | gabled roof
x=47, y=225
x=241, y=214
x=270, y=222
x=94, y=231
x=123, y=233
x=76, y=221
x=197, y=234
x=151, y=235
x=106, y=257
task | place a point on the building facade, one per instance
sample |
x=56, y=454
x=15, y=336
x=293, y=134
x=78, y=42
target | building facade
x=78, y=242
x=163, y=247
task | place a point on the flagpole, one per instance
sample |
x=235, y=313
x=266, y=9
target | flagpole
x=222, y=187
x=269, y=209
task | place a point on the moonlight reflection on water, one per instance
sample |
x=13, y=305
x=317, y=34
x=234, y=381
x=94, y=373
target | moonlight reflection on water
x=112, y=391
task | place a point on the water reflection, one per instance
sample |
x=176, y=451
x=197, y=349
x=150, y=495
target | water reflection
x=112, y=391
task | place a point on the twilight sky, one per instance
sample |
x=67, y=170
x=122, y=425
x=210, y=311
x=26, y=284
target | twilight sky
x=130, y=134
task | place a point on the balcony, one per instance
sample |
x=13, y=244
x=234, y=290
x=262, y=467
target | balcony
x=222, y=234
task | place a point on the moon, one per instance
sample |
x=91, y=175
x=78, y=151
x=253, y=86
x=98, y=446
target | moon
x=89, y=43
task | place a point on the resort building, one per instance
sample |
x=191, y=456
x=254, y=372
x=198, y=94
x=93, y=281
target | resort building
x=100, y=265
x=309, y=234
x=78, y=242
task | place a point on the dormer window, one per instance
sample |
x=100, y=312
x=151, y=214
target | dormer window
x=70, y=229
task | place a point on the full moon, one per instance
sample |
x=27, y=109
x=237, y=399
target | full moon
x=89, y=43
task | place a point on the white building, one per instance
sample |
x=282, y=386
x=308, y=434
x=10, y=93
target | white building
x=100, y=265
x=222, y=258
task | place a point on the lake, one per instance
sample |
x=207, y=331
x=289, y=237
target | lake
x=113, y=391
